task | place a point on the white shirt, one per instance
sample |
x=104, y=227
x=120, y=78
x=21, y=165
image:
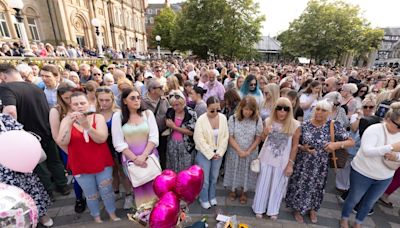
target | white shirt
x=191, y=75
x=368, y=160
x=307, y=98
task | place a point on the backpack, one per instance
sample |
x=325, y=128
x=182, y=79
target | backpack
x=383, y=107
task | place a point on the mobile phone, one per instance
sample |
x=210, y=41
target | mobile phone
x=88, y=113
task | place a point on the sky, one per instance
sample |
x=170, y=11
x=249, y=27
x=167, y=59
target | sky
x=279, y=13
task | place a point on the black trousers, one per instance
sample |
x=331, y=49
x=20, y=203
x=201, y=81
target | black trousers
x=162, y=150
x=51, y=170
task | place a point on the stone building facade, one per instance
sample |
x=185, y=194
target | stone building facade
x=69, y=21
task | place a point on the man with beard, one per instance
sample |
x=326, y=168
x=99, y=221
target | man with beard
x=213, y=87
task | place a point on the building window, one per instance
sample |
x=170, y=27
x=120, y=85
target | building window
x=151, y=20
x=80, y=40
x=33, y=28
x=150, y=11
x=18, y=30
x=3, y=26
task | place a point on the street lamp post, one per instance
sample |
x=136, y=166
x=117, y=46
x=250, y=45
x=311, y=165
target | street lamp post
x=96, y=24
x=158, y=39
x=18, y=5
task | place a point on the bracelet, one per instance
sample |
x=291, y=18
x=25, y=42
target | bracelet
x=291, y=161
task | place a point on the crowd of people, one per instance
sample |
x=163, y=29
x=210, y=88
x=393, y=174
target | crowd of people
x=47, y=50
x=221, y=115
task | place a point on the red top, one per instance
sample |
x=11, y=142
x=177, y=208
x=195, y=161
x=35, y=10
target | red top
x=87, y=158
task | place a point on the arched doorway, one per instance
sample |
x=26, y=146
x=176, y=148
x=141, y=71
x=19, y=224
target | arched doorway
x=81, y=31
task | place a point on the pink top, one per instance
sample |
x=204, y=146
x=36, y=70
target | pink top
x=177, y=136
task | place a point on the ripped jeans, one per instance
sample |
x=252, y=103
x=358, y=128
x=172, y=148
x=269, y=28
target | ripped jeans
x=92, y=184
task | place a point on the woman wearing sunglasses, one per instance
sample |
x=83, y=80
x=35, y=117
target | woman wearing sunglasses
x=277, y=157
x=135, y=135
x=211, y=139
x=369, y=176
x=343, y=175
x=245, y=128
x=250, y=88
x=181, y=119
x=306, y=186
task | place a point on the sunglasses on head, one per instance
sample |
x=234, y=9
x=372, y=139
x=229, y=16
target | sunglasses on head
x=134, y=98
x=368, y=107
x=397, y=125
x=284, y=108
x=215, y=110
x=106, y=90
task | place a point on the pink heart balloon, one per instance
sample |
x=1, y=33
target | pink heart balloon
x=19, y=151
x=189, y=183
x=166, y=212
x=164, y=183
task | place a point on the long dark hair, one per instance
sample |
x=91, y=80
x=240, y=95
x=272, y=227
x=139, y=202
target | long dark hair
x=312, y=85
x=124, y=108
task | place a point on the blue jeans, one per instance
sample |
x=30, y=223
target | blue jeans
x=367, y=189
x=211, y=173
x=92, y=184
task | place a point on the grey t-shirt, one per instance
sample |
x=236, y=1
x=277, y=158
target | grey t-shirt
x=200, y=108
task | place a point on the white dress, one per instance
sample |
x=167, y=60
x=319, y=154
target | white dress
x=271, y=182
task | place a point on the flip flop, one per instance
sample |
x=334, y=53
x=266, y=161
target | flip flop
x=386, y=204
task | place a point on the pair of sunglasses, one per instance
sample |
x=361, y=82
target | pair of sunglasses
x=397, y=125
x=284, y=108
x=215, y=110
x=134, y=98
x=176, y=96
x=368, y=107
x=253, y=84
x=105, y=90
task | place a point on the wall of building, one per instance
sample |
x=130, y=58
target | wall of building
x=69, y=21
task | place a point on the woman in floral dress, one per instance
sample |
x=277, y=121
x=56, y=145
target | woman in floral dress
x=29, y=182
x=245, y=129
x=306, y=185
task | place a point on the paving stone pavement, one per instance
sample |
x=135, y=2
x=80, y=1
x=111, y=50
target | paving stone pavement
x=63, y=213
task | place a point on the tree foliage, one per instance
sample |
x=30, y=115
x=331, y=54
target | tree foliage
x=228, y=28
x=326, y=30
x=164, y=25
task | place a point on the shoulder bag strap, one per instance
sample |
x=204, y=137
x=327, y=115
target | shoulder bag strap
x=332, y=133
x=384, y=133
x=158, y=106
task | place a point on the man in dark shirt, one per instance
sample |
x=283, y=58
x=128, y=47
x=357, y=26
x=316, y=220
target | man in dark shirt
x=27, y=103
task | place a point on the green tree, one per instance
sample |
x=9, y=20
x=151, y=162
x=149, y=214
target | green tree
x=326, y=30
x=226, y=28
x=164, y=25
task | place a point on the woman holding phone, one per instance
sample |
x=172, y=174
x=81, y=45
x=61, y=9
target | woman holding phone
x=310, y=172
x=89, y=157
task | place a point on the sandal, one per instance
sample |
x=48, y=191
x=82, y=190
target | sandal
x=386, y=204
x=299, y=218
x=259, y=216
x=274, y=217
x=243, y=198
x=232, y=196
x=313, y=217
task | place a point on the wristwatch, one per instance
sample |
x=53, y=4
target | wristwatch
x=391, y=148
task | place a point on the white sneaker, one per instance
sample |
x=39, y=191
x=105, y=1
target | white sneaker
x=213, y=202
x=128, y=203
x=205, y=205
